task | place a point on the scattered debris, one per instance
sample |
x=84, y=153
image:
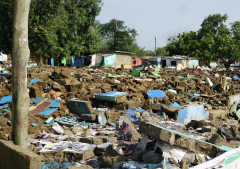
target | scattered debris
x=144, y=118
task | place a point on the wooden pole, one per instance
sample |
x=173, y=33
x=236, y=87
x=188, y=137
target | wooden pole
x=20, y=57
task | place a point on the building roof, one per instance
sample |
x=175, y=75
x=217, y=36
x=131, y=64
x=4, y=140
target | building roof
x=111, y=52
x=179, y=57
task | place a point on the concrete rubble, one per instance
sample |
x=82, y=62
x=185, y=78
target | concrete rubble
x=116, y=118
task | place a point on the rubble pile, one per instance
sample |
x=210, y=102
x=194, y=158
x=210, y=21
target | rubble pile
x=107, y=118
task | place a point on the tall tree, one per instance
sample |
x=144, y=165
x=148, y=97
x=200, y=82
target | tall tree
x=117, y=36
x=185, y=44
x=20, y=56
x=56, y=28
x=218, y=42
x=213, y=41
x=161, y=51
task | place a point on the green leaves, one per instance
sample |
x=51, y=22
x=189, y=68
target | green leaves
x=212, y=42
x=117, y=36
x=56, y=28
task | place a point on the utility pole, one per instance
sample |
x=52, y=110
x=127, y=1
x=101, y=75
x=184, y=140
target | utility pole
x=155, y=45
x=20, y=57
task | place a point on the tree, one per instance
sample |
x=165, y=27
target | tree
x=218, y=41
x=150, y=53
x=139, y=51
x=185, y=44
x=56, y=28
x=6, y=24
x=161, y=51
x=20, y=56
x=116, y=36
x=213, y=41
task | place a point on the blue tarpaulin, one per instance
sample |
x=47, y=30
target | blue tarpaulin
x=48, y=111
x=36, y=100
x=34, y=81
x=6, y=99
x=175, y=104
x=130, y=112
x=139, y=165
x=4, y=75
x=4, y=106
x=6, y=110
x=156, y=93
x=192, y=113
x=235, y=77
x=54, y=105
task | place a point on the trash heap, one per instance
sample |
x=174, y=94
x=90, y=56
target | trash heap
x=116, y=118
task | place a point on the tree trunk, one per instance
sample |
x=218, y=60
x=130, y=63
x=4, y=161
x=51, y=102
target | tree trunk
x=227, y=65
x=20, y=57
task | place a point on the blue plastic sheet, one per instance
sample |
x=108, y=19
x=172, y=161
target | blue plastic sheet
x=56, y=165
x=55, y=105
x=51, y=165
x=48, y=111
x=130, y=112
x=6, y=99
x=192, y=113
x=235, y=77
x=102, y=119
x=156, y=93
x=36, y=100
x=4, y=106
x=139, y=165
x=175, y=104
x=35, y=80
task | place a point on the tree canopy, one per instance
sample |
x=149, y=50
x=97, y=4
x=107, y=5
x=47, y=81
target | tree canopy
x=56, y=28
x=117, y=36
x=213, y=41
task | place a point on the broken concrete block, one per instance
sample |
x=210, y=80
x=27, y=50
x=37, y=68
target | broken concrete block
x=43, y=76
x=153, y=158
x=89, y=117
x=209, y=129
x=215, y=114
x=215, y=139
x=87, y=133
x=111, y=157
x=114, y=96
x=80, y=107
x=35, y=92
x=179, y=88
x=132, y=131
x=42, y=84
x=179, y=139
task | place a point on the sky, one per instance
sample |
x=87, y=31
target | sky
x=163, y=18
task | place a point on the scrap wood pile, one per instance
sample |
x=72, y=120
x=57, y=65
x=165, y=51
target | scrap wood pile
x=107, y=118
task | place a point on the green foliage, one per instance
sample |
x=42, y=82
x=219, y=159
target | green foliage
x=150, y=53
x=56, y=28
x=6, y=25
x=213, y=41
x=117, y=36
x=160, y=51
x=139, y=51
